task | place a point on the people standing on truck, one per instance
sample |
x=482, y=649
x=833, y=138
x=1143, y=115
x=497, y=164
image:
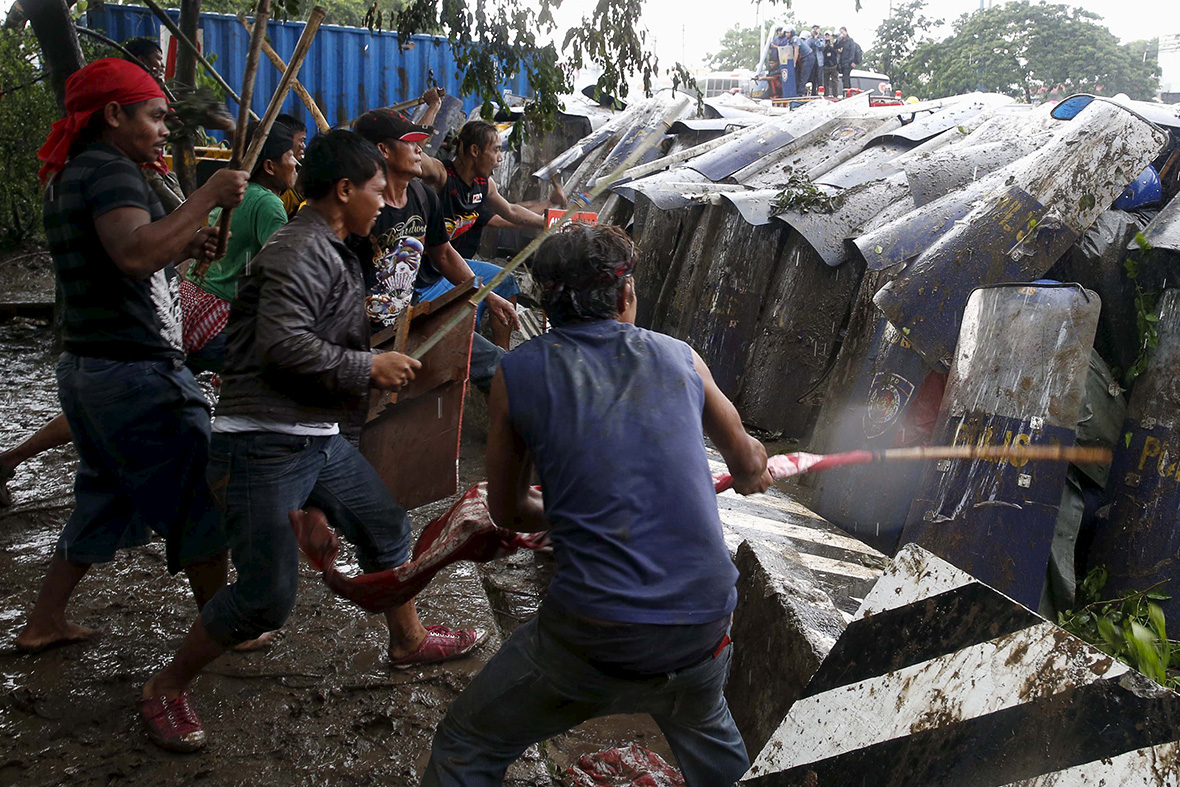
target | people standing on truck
x=207, y=290
x=805, y=65
x=410, y=234
x=817, y=46
x=613, y=418
x=293, y=399
x=775, y=59
x=850, y=57
x=831, y=71
x=137, y=417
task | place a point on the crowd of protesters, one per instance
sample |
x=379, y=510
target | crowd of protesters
x=327, y=240
x=822, y=62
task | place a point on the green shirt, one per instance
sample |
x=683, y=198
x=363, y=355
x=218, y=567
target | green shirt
x=252, y=224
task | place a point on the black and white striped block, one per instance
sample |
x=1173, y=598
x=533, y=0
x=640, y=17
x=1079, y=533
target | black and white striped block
x=941, y=680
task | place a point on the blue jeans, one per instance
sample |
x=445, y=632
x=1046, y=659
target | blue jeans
x=485, y=271
x=535, y=688
x=142, y=433
x=257, y=478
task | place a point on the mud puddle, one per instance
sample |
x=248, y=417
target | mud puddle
x=318, y=708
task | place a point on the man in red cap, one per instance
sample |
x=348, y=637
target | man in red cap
x=139, y=421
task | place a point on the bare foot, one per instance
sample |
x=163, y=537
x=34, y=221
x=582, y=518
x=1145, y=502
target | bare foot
x=259, y=643
x=35, y=640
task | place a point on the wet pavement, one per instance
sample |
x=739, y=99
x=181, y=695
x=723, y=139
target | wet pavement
x=319, y=707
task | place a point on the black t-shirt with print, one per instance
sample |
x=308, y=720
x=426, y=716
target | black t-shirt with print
x=107, y=314
x=420, y=220
x=463, y=211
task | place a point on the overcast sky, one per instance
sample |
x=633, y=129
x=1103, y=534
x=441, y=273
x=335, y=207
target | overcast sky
x=688, y=30
x=695, y=27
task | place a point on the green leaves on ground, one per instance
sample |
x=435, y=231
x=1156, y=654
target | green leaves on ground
x=799, y=193
x=1131, y=628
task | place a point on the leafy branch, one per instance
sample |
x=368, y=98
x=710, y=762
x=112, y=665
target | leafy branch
x=1130, y=628
x=1146, y=317
x=799, y=193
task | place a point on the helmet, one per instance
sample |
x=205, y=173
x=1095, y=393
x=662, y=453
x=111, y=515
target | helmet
x=1143, y=191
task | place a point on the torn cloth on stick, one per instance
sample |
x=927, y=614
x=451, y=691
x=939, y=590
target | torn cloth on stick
x=465, y=532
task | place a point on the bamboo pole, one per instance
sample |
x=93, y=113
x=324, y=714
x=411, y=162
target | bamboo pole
x=314, y=20
x=321, y=122
x=167, y=22
x=1013, y=453
x=261, y=15
x=250, y=159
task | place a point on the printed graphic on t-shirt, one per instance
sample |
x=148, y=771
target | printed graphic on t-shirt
x=461, y=223
x=165, y=294
x=396, y=268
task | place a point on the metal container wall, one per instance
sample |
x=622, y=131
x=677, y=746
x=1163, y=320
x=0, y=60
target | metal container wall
x=887, y=382
x=1140, y=543
x=348, y=70
x=1018, y=378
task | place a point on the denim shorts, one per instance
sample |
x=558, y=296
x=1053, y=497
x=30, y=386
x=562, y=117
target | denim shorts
x=142, y=433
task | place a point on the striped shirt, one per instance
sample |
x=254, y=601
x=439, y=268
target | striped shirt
x=107, y=314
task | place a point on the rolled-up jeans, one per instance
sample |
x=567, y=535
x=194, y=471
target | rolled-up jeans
x=535, y=688
x=257, y=478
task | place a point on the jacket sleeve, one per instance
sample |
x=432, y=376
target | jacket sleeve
x=289, y=300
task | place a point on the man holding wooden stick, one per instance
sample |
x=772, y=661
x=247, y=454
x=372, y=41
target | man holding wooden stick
x=295, y=392
x=137, y=416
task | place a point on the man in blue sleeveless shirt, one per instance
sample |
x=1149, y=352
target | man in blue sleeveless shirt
x=613, y=419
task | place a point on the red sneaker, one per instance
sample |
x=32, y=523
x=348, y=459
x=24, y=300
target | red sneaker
x=173, y=724
x=441, y=644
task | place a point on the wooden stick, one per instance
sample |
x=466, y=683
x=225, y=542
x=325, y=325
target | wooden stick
x=601, y=186
x=1015, y=453
x=167, y=22
x=321, y=122
x=261, y=15
x=314, y=19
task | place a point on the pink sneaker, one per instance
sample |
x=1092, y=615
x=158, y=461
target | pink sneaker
x=441, y=644
x=173, y=724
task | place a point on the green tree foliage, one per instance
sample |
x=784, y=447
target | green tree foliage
x=738, y=49
x=897, y=37
x=1030, y=51
x=26, y=103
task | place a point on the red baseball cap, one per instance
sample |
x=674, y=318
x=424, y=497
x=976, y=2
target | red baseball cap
x=382, y=125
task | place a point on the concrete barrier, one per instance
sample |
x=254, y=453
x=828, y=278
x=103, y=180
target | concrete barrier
x=940, y=679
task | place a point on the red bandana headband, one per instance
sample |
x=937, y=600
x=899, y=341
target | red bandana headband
x=88, y=91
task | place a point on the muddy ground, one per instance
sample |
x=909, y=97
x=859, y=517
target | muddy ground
x=320, y=707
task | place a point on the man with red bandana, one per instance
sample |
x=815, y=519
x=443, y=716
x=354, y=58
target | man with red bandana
x=139, y=421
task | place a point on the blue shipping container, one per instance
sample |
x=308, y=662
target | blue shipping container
x=348, y=70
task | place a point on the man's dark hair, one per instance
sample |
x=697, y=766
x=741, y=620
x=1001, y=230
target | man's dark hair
x=143, y=48
x=296, y=125
x=278, y=142
x=582, y=271
x=335, y=156
x=476, y=132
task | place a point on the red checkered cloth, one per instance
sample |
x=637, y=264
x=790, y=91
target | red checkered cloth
x=205, y=316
